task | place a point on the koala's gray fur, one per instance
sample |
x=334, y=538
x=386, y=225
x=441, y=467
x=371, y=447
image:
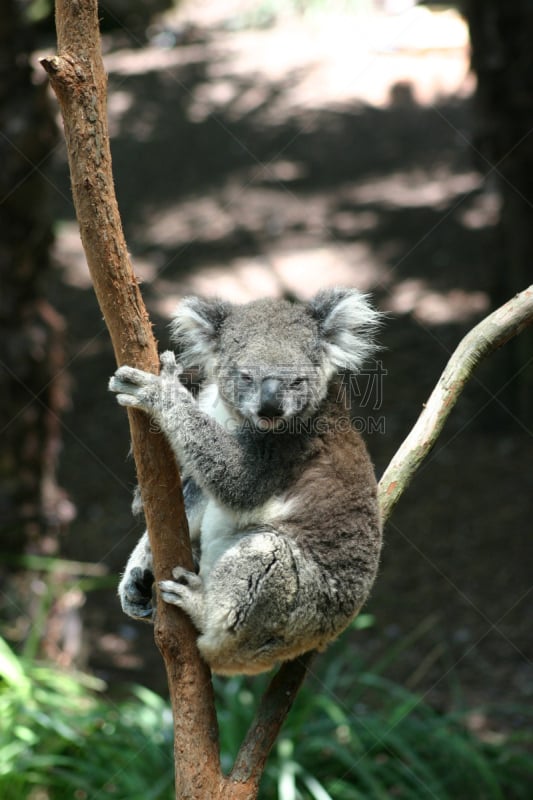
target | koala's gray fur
x=279, y=490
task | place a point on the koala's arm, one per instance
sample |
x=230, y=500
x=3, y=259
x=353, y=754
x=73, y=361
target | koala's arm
x=213, y=456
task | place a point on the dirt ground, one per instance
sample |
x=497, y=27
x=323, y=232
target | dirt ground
x=275, y=160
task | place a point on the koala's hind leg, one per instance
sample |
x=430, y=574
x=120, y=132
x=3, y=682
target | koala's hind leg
x=249, y=602
x=187, y=592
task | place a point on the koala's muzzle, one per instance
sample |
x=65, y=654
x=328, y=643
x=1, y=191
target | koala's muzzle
x=271, y=398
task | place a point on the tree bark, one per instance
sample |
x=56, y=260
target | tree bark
x=78, y=78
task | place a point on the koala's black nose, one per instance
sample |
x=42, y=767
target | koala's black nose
x=271, y=398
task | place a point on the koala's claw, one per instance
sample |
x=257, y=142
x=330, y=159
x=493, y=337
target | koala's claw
x=169, y=365
x=134, y=388
x=129, y=400
x=115, y=385
x=180, y=591
x=138, y=377
x=128, y=381
x=136, y=594
x=173, y=593
x=186, y=578
x=151, y=393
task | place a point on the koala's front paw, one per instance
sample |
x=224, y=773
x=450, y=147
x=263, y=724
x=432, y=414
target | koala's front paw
x=169, y=366
x=151, y=393
x=135, y=592
x=135, y=388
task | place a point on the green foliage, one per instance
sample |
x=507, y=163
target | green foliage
x=37, y=10
x=351, y=735
x=357, y=736
x=61, y=738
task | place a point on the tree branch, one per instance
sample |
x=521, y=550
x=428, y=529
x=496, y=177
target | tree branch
x=491, y=333
x=79, y=81
x=270, y=716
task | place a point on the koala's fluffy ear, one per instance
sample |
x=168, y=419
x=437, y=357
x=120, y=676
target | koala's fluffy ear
x=195, y=330
x=347, y=326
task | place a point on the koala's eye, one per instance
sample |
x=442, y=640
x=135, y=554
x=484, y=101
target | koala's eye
x=297, y=383
x=246, y=377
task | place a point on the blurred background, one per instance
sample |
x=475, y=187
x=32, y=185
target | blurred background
x=272, y=148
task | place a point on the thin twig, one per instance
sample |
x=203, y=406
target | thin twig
x=270, y=715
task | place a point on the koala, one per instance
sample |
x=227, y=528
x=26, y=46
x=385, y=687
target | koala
x=279, y=490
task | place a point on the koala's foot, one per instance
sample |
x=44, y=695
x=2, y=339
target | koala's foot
x=186, y=592
x=135, y=592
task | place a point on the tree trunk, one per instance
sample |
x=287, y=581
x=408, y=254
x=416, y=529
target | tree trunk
x=78, y=78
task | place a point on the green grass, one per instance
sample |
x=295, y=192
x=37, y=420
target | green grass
x=61, y=738
x=351, y=735
x=334, y=745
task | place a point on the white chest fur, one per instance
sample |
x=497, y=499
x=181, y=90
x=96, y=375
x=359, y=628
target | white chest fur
x=222, y=527
x=212, y=404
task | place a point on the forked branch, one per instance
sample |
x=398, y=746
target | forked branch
x=78, y=79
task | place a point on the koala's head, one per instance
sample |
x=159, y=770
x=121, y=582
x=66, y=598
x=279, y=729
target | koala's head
x=272, y=360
